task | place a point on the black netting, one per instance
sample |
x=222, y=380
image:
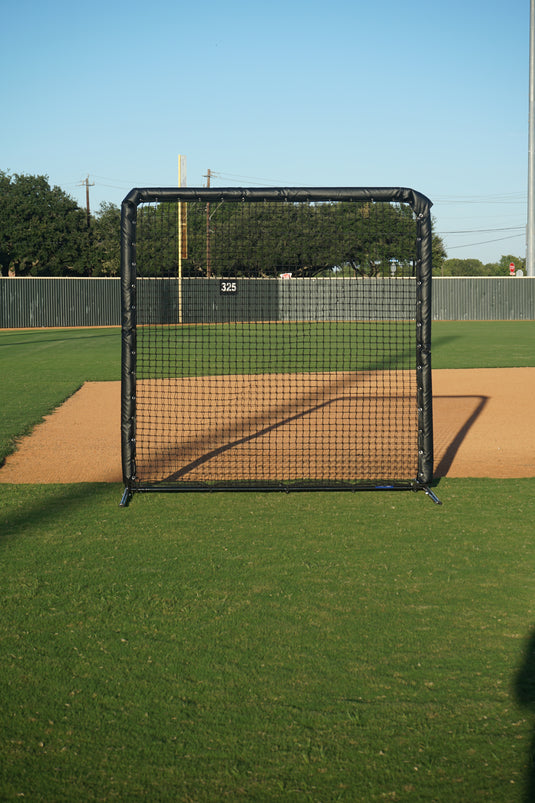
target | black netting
x=277, y=344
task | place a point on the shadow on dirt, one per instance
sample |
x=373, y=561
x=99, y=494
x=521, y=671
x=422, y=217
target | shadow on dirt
x=466, y=410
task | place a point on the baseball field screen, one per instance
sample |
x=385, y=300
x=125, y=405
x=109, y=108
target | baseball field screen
x=276, y=339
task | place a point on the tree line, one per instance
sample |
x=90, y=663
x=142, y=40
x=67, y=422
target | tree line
x=43, y=232
x=263, y=239
x=474, y=267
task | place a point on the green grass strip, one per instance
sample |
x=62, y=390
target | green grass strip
x=264, y=647
x=40, y=368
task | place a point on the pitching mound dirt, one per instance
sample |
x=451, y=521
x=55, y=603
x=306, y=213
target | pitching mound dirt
x=482, y=428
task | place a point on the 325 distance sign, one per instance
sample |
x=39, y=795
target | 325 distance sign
x=228, y=287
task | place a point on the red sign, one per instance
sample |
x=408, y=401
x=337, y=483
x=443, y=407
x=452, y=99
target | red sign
x=511, y=268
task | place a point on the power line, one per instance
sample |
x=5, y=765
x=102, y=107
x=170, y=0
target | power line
x=503, y=197
x=236, y=177
x=483, y=231
x=483, y=242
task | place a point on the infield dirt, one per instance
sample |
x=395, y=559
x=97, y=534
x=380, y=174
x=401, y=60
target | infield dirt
x=482, y=428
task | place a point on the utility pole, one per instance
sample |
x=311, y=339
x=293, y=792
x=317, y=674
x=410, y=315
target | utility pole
x=530, y=231
x=208, y=257
x=87, y=185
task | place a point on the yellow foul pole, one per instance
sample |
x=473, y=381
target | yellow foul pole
x=181, y=183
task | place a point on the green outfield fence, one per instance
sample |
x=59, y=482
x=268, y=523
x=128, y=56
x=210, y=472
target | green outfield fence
x=28, y=302
x=36, y=302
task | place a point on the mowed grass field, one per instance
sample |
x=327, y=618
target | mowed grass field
x=262, y=647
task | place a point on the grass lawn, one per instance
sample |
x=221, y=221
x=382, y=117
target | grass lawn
x=261, y=647
x=483, y=344
x=265, y=647
x=276, y=347
x=41, y=368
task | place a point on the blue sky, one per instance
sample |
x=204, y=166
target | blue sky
x=430, y=95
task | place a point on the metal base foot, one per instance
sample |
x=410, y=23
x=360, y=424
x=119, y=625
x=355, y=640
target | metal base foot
x=432, y=495
x=126, y=497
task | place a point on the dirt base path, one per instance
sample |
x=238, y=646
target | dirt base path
x=482, y=428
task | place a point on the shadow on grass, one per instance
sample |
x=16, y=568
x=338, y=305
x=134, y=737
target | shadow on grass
x=29, y=508
x=440, y=345
x=524, y=691
x=32, y=340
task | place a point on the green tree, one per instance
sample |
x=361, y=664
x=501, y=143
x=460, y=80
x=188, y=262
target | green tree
x=474, y=267
x=267, y=238
x=501, y=268
x=106, y=241
x=43, y=232
x=438, y=254
x=463, y=267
